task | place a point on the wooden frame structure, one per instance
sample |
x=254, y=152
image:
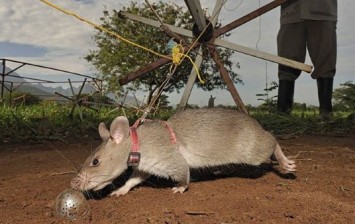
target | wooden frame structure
x=95, y=82
x=211, y=42
x=75, y=99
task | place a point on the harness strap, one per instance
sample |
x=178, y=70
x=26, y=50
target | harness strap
x=134, y=155
x=171, y=132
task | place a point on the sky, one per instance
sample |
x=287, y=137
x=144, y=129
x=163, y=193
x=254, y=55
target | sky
x=33, y=32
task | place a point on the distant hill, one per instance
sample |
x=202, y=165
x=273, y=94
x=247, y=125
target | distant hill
x=46, y=92
x=39, y=89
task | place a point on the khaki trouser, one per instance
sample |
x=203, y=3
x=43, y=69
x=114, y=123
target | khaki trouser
x=318, y=37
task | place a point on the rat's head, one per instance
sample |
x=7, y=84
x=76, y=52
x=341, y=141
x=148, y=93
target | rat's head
x=109, y=160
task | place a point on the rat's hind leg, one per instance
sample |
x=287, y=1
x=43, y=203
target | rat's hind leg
x=183, y=179
x=285, y=164
x=176, y=169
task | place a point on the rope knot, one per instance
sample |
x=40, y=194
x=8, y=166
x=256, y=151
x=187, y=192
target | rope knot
x=177, y=53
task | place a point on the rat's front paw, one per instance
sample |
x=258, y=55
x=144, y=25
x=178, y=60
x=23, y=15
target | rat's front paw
x=121, y=191
x=180, y=189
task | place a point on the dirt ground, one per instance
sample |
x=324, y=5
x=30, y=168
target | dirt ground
x=32, y=175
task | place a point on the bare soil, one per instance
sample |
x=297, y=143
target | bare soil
x=323, y=190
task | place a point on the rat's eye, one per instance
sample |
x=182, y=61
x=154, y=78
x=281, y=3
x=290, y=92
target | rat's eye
x=95, y=162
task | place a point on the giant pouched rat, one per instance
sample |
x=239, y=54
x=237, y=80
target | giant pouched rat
x=204, y=138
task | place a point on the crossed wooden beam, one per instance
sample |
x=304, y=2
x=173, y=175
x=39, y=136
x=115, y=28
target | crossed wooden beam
x=211, y=41
x=77, y=100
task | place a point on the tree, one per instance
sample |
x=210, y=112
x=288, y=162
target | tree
x=345, y=95
x=114, y=58
x=269, y=102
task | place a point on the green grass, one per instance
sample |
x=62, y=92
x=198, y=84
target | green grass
x=51, y=121
x=307, y=122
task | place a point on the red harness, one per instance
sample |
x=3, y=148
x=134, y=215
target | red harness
x=134, y=155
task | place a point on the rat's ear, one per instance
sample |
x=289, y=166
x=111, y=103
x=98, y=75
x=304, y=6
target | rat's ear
x=119, y=129
x=104, y=133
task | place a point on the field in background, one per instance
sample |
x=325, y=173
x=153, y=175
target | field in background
x=52, y=121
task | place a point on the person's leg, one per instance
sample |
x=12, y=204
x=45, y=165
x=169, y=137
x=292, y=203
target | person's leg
x=291, y=44
x=325, y=92
x=322, y=47
x=285, y=96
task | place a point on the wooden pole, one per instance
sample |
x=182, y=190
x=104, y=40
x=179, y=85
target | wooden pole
x=250, y=16
x=3, y=79
x=263, y=55
x=191, y=81
x=230, y=85
x=143, y=71
x=192, y=78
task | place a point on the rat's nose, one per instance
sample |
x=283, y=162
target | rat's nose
x=75, y=183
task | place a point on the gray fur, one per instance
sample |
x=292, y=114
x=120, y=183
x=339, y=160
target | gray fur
x=205, y=138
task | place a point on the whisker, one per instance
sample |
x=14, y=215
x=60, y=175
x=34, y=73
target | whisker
x=62, y=155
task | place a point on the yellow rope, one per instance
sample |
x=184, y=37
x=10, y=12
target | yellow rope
x=177, y=51
x=103, y=29
x=196, y=69
x=178, y=56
